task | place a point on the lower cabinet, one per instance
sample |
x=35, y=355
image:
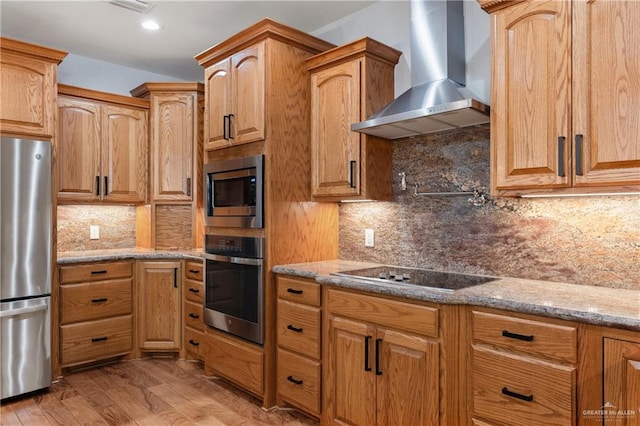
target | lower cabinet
x=193, y=297
x=159, y=314
x=96, y=307
x=382, y=361
x=621, y=381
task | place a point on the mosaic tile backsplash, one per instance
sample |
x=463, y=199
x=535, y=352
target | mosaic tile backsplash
x=117, y=227
x=584, y=240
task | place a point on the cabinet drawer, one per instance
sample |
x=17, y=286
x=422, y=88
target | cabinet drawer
x=512, y=389
x=194, y=342
x=299, y=381
x=83, y=302
x=299, y=328
x=194, y=291
x=193, y=270
x=193, y=315
x=533, y=337
x=391, y=313
x=299, y=290
x=94, y=340
x=95, y=272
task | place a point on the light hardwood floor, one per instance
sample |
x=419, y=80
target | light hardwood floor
x=143, y=392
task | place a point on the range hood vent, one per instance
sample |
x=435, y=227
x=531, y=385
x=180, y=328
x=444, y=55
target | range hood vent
x=437, y=99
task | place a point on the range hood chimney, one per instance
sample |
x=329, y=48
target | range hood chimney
x=437, y=99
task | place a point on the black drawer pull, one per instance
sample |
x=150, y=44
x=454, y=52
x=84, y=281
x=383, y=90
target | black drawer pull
x=193, y=342
x=507, y=392
x=194, y=290
x=294, y=380
x=194, y=316
x=296, y=329
x=294, y=291
x=98, y=272
x=194, y=271
x=378, y=371
x=99, y=339
x=367, y=339
x=102, y=299
x=517, y=336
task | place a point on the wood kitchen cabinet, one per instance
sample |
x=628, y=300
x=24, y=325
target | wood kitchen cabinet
x=382, y=361
x=348, y=84
x=235, y=99
x=621, y=380
x=523, y=369
x=564, y=96
x=28, y=77
x=102, y=147
x=159, y=314
x=96, y=307
x=193, y=297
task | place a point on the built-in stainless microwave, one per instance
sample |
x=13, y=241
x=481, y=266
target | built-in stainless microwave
x=234, y=192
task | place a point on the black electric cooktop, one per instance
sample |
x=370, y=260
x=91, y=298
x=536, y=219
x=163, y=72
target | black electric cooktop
x=445, y=281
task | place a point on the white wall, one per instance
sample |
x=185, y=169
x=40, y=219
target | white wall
x=388, y=22
x=93, y=74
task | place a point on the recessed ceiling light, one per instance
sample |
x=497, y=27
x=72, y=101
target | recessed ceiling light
x=150, y=25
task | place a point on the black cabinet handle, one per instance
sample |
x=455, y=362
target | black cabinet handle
x=97, y=185
x=194, y=271
x=106, y=185
x=378, y=371
x=561, y=140
x=194, y=290
x=98, y=272
x=507, y=392
x=194, y=316
x=526, y=338
x=175, y=277
x=352, y=167
x=224, y=127
x=230, y=137
x=103, y=299
x=99, y=339
x=367, y=367
x=296, y=329
x=193, y=342
x=294, y=291
x=188, y=187
x=578, y=155
x=294, y=380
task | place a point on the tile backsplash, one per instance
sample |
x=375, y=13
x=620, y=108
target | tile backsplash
x=117, y=227
x=585, y=240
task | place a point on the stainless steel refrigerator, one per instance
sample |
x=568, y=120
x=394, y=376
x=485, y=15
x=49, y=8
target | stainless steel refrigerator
x=25, y=291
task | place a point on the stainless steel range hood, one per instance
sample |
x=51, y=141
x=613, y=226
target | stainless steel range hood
x=437, y=99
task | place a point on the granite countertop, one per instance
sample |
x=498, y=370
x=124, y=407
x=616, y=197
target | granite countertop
x=583, y=303
x=69, y=257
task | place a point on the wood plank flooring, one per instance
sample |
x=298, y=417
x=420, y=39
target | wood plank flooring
x=143, y=392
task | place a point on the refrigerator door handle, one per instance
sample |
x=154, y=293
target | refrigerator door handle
x=20, y=311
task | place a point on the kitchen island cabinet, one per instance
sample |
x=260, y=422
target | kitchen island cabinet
x=563, y=92
x=102, y=147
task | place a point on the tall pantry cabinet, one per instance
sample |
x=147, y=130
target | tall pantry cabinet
x=565, y=96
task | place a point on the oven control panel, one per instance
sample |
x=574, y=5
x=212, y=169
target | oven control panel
x=234, y=246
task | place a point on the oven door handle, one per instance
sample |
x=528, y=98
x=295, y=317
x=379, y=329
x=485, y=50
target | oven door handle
x=237, y=260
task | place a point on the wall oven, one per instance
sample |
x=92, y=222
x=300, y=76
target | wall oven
x=234, y=277
x=234, y=192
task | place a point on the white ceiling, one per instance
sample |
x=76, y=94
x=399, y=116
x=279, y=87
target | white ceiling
x=100, y=30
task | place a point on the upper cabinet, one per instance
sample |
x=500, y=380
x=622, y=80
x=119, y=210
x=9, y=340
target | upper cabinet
x=235, y=115
x=565, y=97
x=102, y=146
x=174, y=138
x=28, y=77
x=348, y=84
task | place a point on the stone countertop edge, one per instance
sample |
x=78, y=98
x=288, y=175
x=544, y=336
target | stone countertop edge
x=71, y=257
x=601, y=306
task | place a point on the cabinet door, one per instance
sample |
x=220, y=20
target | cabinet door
x=172, y=136
x=218, y=97
x=622, y=380
x=606, y=92
x=159, y=316
x=78, y=155
x=247, y=123
x=124, y=154
x=352, y=399
x=530, y=96
x=335, y=149
x=28, y=95
x=408, y=379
